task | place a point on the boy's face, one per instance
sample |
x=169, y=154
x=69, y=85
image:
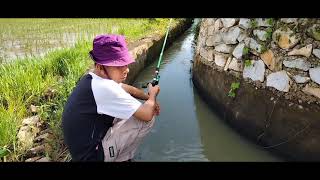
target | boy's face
x=117, y=73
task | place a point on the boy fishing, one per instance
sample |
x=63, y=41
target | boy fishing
x=102, y=119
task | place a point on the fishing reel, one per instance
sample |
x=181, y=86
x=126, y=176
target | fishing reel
x=155, y=80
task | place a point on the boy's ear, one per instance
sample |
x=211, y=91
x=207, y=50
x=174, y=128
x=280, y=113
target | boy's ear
x=99, y=67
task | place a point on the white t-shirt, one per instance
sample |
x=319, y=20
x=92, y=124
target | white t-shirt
x=112, y=99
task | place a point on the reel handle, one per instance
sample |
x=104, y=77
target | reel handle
x=154, y=82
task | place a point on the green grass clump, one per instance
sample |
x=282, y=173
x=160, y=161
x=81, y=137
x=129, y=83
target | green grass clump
x=233, y=88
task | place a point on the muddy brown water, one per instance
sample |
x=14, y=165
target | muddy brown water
x=187, y=129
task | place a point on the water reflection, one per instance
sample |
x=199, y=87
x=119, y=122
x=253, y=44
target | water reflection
x=221, y=142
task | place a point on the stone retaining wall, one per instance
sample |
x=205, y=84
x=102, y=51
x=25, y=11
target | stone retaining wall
x=276, y=62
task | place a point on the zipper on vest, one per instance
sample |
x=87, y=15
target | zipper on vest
x=94, y=127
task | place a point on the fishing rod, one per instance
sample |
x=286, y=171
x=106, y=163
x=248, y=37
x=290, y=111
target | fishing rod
x=156, y=78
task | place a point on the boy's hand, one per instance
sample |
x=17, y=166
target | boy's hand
x=153, y=90
x=157, y=109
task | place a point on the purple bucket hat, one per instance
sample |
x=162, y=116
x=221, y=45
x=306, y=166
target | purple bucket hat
x=110, y=50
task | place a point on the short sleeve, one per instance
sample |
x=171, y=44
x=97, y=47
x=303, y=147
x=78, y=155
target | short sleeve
x=112, y=99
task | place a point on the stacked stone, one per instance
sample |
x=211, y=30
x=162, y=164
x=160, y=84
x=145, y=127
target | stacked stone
x=278, y=53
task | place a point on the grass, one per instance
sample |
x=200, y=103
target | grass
x=253, y=23
x=234, y=86
x=270, y=21
x=263, y=48
x=28, y=81
x=245, y=51
x=196, y=30
x=20, y=38
x=268, y=35
x=247, y=63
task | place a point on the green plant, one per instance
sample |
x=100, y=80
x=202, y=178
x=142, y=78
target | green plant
x=263, y=48
x=153, y=20
x=233, y=88
x=270, y=21
x=245, y=50
x=196, y=31
x=247, y=63
x=4, y=151
x=268, y=35
x=253, y=23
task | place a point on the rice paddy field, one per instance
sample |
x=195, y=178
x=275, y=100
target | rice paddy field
x=41, y=61
x=20, y=38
